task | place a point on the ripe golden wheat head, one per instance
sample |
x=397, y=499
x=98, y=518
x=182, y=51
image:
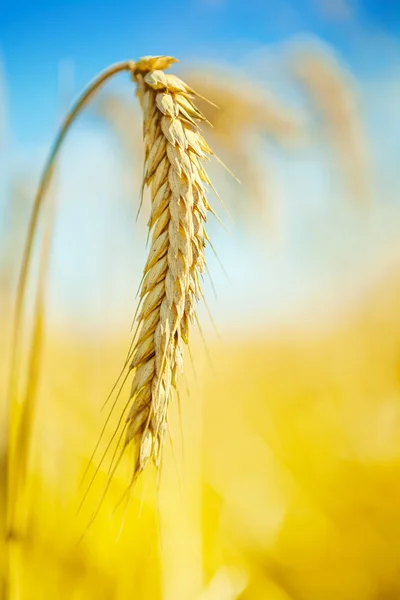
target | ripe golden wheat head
x=174, y=152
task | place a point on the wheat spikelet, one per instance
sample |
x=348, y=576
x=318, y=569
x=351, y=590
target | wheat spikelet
x=174, y=150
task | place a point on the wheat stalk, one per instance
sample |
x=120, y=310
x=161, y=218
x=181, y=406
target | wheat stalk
x=22, y=406
x=174, y=151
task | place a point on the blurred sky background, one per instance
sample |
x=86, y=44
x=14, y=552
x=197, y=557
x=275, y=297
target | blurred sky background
x=327, y=249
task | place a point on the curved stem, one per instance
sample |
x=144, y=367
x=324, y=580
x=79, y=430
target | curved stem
x=12, y=430
x=44, y=182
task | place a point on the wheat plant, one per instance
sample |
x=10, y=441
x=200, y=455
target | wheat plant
x=173, y=170
x=174, y=151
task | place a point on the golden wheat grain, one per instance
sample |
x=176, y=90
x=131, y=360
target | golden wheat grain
x=174, y=151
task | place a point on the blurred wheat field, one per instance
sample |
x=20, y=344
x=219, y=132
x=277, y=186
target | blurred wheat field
x=280, y=473
x=287, y=486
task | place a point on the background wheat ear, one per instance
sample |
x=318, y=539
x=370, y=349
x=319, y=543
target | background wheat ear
x=332, y=94
x=247, y=117
x=174, y=152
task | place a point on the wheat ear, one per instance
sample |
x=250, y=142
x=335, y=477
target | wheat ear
x=174, y=151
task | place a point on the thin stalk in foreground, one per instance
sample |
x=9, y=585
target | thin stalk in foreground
x=17, y=420
x=44, y=182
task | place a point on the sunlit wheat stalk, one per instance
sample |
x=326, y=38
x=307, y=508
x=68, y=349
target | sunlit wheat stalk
x=22, y=410
x=174, y=152
x=20, y=404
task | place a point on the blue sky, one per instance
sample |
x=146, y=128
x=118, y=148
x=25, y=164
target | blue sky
x=36, y=35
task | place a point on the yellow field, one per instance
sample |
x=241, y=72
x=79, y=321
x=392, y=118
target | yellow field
x=285, y=484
